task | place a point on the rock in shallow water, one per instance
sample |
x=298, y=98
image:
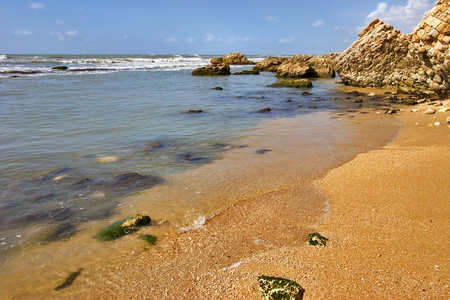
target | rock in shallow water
x=123, y=227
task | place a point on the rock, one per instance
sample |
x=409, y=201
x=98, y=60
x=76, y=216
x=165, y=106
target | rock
x=262, y=151
x=122, y=227
x=60, y=68
x=192, y=158
x=247, y=72
x=414, y=63
x=292, y=83
x=269, y=64
x=316, y=239
x=64, y=230
x=265, y=110
x=218, y=88
x=429, y=111
x=306, y=94
x=448, y=120
x=132, y=181
x=194, y=111
x=217, y=60
x=212, y=70
x=391, y=111
x=444, y=109
x=279, y=288
x=305, y=66
x=236, y=59
x=312, y=107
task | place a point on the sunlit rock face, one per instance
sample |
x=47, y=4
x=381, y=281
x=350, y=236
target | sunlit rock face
x=415, y=63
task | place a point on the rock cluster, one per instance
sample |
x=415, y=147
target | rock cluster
x=269, y=64
x=221, y=65
x=236, y=59
x=306, y=66
x=414, y=63
x=212, y=70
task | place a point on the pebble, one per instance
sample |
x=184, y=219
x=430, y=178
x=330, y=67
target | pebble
x=429, y=111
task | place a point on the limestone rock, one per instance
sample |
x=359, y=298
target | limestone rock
x=212, y=70
x=306, y=66
x=415, y=63
x=270, y=64
x=429, y=111
x=292, y=83
x=217, y=60
x=236, y=59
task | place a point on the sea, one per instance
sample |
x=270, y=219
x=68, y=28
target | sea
x=82, y=144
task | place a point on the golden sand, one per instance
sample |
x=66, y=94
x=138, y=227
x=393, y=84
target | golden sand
x=387, y=227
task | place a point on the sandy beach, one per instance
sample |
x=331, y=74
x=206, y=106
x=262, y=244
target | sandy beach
x=385, y=214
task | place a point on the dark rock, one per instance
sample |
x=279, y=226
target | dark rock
x=265, y=110
x=391, y=111
x=50, y=175
x=64, y=230
x=60, y=68
x=59, y=214
x=218, y=88
x=190, y=157
x=312, y=107
x=279, y=288
x=306, y=94
x=316, y=239
x=194, y=111
x=212, y=70
x=134, y=180
x=247, y=72
x=262, y=151
x=123, y=227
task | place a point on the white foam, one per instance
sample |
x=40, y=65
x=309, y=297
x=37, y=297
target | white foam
x=199, y=222
x=3, y=57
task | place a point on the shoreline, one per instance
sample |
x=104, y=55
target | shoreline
x=223, y=258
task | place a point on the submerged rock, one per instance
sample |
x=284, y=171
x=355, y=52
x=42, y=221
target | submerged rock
x=279, y=288
x=122, y=227
x=64, y=230
x=151, y=239
x=247, y=72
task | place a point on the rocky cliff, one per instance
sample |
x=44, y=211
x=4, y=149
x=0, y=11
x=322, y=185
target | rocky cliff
x=415, y=63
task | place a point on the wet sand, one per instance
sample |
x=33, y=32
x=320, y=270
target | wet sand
x=385, y=213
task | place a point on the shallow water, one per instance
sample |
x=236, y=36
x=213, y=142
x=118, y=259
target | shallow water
x=66, y=136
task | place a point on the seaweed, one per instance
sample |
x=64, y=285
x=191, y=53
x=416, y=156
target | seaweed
x=316, y=239
x=279, y=288
x=151, y=239
x=123, y=227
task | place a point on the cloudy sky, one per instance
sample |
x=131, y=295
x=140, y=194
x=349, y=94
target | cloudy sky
x=195, y=26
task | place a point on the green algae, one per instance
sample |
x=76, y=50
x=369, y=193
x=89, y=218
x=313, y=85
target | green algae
x=316, y=239
x=151, y=239
x=273, y=288
x=123, y=227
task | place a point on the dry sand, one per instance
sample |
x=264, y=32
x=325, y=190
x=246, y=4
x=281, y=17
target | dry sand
x=387, y=228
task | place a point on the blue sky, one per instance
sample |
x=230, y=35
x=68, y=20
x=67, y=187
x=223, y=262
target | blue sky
x=195, y=26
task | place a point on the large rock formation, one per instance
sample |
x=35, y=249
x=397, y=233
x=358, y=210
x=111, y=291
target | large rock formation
x=269, y=64
x=212, y=70
x=414, y=63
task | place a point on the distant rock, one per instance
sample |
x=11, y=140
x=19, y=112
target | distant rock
x=60, y=68
x=292, y=83
x=247, y=72
x=236, y=59
x=265, y=110
x=216, y=60
x=212, y=70
x=415, y=63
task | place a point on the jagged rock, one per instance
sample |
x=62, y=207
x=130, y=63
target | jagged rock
x=269, y=64
x=236, y=59
x=279, y=288
x=212, y=70
x=414, y=63
x=306, y=66
x=316, y=239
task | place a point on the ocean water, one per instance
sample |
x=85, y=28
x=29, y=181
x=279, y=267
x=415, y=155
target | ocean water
x=78, y=144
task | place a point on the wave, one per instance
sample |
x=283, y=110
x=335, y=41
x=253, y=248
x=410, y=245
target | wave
x=3, y=57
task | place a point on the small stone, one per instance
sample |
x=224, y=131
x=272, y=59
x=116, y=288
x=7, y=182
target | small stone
x=429, y=111
x=445, y=109
x=448, y=120
x=279, y=288
x=316, y=239
x=437, y=124
x=265, y=110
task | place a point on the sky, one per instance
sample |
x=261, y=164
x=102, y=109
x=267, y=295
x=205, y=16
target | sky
x=283, y=27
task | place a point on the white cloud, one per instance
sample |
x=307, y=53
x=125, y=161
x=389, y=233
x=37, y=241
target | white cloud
x=190, y=40
x=170, y=40
x=37, y=6
x=317, y=23
x=71, y=32
x=59, y=22
x=209, y=37
x=404, y=17
x=271, y=20
x=23, y=32
x=283, y=41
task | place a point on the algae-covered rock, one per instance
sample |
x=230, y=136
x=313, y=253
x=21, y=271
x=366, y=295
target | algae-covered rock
x=151, y=239
x=292, y=83
x=316, y=239
x=212, y=70
x=247, y=72
x=279, y=288
x=123, y=227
